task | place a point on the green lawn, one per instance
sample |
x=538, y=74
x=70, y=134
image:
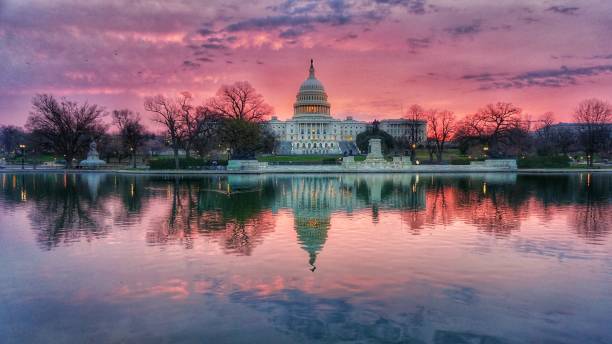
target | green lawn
x=30, y=158
x=449, y=154
x=422, y=155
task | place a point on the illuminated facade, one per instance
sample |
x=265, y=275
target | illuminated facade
x=313, y=130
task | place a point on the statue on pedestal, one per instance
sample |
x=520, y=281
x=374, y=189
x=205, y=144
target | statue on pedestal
x=93, y=158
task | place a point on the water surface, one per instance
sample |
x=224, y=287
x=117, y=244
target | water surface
x=494, y=258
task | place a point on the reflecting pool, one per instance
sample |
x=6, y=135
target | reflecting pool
x=493, y=258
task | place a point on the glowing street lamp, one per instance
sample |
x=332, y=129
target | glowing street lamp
x=22, y=147
x=133, y=157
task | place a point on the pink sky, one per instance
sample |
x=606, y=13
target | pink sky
x=375, y=57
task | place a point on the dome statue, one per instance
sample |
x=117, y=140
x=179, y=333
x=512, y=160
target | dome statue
x=311, y=100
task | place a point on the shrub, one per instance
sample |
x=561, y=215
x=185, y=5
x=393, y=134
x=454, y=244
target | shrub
x=460, y=161
x=554, y=161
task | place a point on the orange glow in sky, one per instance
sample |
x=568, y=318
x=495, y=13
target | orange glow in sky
x=375, y=58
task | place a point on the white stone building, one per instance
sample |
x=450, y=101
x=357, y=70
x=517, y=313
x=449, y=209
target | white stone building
x=399, y=128
x=313, y=130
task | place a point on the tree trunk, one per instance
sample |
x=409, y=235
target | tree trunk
x=176, y=158
x=133, y=160
x=439, y=153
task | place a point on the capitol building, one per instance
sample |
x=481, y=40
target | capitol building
x=313, y=130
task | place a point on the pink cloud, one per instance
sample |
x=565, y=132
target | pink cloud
x=375, y=58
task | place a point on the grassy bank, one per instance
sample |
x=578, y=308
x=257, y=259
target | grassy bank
x=543, y=162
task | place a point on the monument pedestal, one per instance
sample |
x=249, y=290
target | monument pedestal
x=375, y=160
x=375, y=152
x=93, y=158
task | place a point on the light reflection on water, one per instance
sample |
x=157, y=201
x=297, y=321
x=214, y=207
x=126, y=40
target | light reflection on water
x=497, y=258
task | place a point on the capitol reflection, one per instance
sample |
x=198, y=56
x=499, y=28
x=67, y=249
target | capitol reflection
x=239, y=211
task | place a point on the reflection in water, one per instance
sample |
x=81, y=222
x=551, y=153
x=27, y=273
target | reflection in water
x=247, y=240
x=65, y=208
x=237, y=211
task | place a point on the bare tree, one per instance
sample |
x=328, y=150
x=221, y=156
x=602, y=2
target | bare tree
x=594, y=117
x=545, y=135
x=240, y=101
x=415, y=116
x=441, y=125
x=495, y=126
x=168, y=112
x=430, y=145
x=206, y=126
x=189, y=124
x=131, y=131
x=546, y=120
x=64, y=126
x=238, y=111
x=197, y=125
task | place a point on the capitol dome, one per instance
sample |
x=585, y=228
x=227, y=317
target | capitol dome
x=311, y=100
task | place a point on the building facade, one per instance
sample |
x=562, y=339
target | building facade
x=312, y=129
x=402, y=128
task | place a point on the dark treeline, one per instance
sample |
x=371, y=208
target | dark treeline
x=503, y=130
x=231, y=125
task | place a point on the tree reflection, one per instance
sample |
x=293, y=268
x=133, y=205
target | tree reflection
x=237, y=211
x=66, y=208
x=226, y=210
x=439, y=203
x=176, y=227
x=592, y=216
x=491, y=204
x=591, y=221
x=134, y=196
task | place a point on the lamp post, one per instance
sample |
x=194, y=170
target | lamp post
x=485, y=150
x=22, y=147
x=133, y=157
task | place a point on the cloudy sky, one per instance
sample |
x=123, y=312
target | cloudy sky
x=375, y=57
